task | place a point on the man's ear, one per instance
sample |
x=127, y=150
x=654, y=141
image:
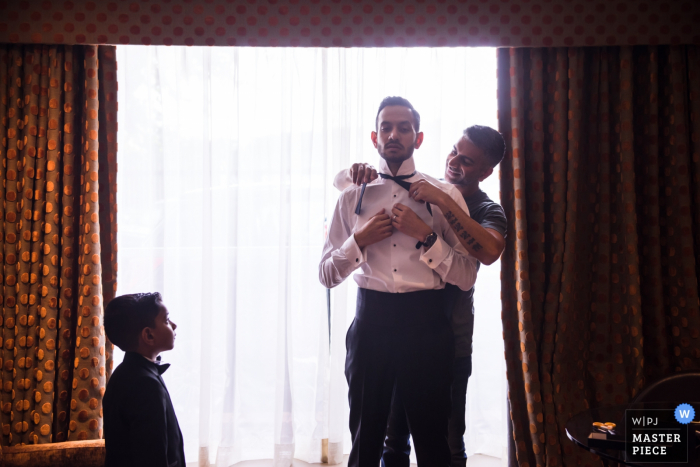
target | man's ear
x=419, y=140
x=486, y=174
x=374, y=138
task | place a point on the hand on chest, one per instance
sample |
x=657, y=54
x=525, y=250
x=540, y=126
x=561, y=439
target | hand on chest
x=385, y=196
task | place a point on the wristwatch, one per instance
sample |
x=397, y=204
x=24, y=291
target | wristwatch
x=430, y=239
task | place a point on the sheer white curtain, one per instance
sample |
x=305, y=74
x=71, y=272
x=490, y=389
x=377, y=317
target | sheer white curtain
x=226, y=158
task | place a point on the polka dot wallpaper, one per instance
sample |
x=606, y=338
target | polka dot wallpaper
x=351, y=23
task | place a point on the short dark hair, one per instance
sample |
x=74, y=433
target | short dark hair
x=396, y=100
x=489, y=141
x=127, y=315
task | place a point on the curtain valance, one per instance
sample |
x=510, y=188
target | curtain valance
x=360, y=23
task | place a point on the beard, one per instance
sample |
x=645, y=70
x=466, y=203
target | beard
x=397, y=157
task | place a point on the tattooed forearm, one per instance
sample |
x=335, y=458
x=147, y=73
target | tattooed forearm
x=461, y=231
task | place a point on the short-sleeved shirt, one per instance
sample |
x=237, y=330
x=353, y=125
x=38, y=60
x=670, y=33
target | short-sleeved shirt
x=489, y=215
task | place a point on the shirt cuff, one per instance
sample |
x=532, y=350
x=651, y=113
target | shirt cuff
x=352, y=252
x=436, y=254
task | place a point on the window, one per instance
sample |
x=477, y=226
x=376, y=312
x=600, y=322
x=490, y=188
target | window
x=226, y=162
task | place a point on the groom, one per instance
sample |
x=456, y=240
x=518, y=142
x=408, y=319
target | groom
x=400, y=345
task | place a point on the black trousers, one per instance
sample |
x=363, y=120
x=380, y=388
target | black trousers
x=397, y=447
x=399, y=346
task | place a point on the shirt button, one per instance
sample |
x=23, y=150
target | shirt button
x=394, y=244
x=394, y=270
x=394, y=196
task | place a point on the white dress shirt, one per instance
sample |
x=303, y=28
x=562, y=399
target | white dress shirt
x=394, y=264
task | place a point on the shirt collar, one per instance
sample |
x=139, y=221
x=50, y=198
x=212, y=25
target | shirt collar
x=407, y=167
x=156, y=367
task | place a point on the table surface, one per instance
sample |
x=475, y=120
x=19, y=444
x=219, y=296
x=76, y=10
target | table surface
x=579, y=427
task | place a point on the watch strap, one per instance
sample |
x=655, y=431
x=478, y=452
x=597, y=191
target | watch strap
x=429, y=241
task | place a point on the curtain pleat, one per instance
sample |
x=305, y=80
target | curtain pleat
x=601, y=188
x=107, y=180
x=53, y=357
x=66, y=325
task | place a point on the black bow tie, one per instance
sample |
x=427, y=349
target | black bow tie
x=161, y=367
x=399, y=179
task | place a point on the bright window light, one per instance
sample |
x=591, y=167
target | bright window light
x=226, y=162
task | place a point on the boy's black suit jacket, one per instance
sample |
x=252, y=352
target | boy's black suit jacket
x=140, y=426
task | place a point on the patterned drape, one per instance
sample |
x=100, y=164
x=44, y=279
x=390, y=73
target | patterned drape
x=57, y=228
x=601, y=185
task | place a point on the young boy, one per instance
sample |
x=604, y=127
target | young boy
x=140, y=425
